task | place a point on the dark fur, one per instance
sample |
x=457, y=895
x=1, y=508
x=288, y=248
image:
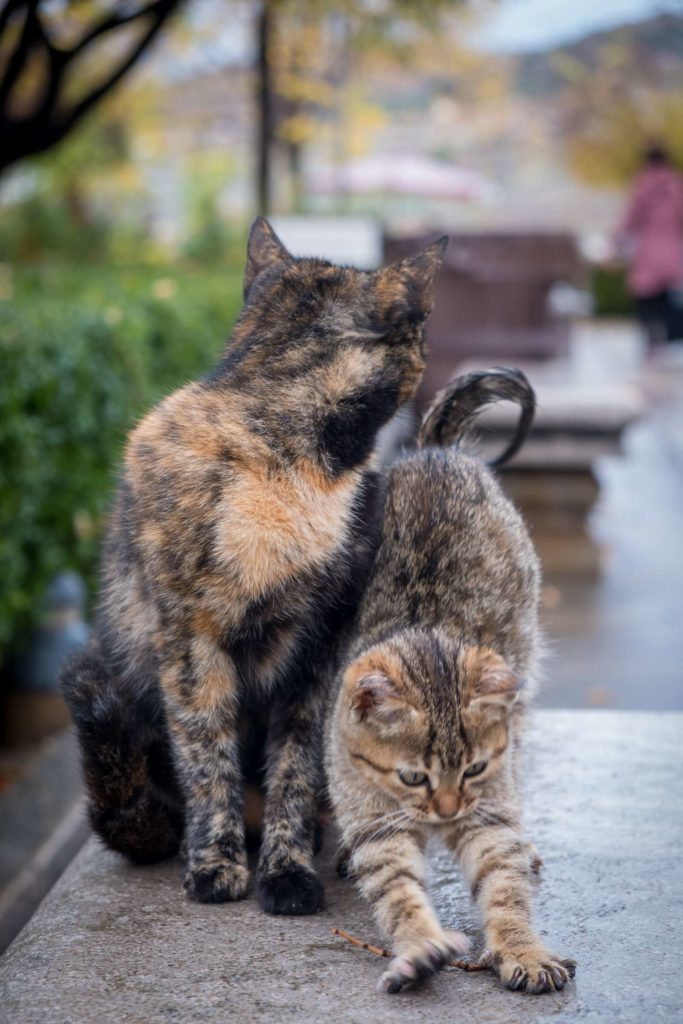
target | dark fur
x=458, y=405
x=237, y=550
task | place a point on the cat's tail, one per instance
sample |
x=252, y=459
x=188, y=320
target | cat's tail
x=134, y=801
x=456, y=407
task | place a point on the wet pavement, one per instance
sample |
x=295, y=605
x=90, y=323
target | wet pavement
x=615, y=632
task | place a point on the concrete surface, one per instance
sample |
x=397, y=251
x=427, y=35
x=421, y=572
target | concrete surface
x=42, y=826
x=116, y=945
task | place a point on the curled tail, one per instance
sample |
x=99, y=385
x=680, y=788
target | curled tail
x=455, y=408
x=134, y=801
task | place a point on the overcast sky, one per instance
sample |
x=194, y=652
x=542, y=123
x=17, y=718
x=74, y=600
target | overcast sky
x=538, y=24
x=506, y=25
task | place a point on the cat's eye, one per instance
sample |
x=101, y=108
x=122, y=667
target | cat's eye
x=475, y=769
x=413, y=778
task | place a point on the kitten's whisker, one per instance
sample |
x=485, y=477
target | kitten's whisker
x=382, y=821
x=390, y=826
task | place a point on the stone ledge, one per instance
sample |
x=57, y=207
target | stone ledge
x=42, y=826
x=119, y=945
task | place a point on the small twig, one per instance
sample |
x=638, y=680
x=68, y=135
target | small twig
x=377, y=950
x=470, y=966
x=463, y=965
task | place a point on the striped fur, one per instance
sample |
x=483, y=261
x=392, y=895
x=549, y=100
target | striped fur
x=240, y=539
x=425, y=734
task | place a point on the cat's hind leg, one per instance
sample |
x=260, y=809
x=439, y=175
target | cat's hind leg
x=134, y=802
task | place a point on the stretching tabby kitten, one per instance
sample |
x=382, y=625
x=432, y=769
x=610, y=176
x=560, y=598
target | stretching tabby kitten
x=425, y=734
x=237, y=550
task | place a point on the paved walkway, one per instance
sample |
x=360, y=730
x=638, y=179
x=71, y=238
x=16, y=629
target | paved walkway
x=115, y=945
x=616, y=637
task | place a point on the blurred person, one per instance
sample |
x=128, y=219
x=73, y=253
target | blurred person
x=651, y=235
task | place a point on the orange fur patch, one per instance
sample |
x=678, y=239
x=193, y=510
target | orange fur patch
x=274, y=525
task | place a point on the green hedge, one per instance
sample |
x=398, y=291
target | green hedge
x=83, y=353
x=610, y=293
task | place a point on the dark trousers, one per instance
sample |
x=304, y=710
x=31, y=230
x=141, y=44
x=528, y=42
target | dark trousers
x=661, y=316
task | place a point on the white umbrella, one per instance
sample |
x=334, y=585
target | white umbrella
x=404, y=174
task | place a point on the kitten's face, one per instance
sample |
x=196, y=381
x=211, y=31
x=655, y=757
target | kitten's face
x=352, y=339
x=433, y=746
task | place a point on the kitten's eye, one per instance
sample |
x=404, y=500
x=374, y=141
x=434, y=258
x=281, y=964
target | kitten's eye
x=475, y=769
x=413, y=778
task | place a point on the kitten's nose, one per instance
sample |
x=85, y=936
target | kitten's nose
x=446, y=804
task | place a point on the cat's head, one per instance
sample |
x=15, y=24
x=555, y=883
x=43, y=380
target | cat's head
x=426, y=721
x=343, y=346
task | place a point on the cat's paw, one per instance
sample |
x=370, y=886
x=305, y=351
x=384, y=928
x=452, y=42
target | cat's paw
x=293, y=891
x=420, y=958
x=219, y=883
x=532, y=971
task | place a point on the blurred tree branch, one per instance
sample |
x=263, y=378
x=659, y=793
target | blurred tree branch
x=367, y=25
x=36, y=106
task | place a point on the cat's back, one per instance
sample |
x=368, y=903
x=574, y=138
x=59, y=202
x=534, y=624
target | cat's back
x=453, y=547
x=177, y=462
x=442, y=500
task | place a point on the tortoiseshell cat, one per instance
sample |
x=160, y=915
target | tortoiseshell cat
x=425, y=733
x=237, y=551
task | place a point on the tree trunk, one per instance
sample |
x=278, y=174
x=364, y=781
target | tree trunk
x=296, y=177
x=264, y=103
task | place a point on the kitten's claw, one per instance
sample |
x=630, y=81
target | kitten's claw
x=535, y=859
x=420, y=959
x=293, y=892
x=533, y=972
x=218, y=884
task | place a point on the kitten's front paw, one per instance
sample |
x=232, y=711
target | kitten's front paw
x=217, y=884
x=293, y=891
x=420, y=958
x=532, y=971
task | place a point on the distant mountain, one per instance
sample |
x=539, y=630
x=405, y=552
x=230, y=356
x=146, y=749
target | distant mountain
x=653, y=46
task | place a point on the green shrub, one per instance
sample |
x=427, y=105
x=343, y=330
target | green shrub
x=610, y=293
x=77, y=371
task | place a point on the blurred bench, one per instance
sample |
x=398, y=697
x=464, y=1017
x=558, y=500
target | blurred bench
x=552, y=479
x=494, y=298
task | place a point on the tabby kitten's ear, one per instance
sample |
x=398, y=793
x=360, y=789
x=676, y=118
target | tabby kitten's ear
x=264, y=250
x=376, y=700
x=407, y=288
x=490, y=682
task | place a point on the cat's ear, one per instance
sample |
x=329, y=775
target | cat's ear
x=489, y=680
x=406, y=289
x=375, y=698
x=264, y=249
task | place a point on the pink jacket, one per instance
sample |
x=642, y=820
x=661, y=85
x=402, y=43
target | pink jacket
x=653, y=226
